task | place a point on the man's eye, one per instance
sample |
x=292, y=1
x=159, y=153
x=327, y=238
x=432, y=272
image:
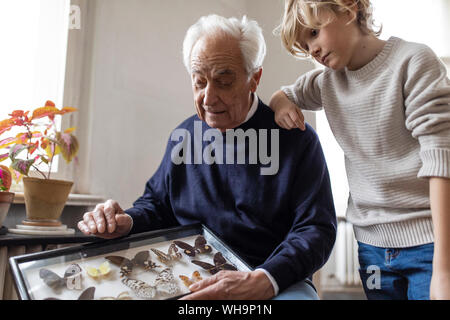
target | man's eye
x=225, y=84
x=200, y=84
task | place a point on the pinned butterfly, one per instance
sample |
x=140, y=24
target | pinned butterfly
x=196, y=277
x=71, y=279
x=171, y=255
x=220, y=263
x=102, y=271
x=164, y=283
x=141, y=259
x=200, y=246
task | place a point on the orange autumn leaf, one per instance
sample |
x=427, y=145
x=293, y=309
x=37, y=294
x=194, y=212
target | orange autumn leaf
x=69, y=130
x=17, y=113
x=50, y=111
x=33, y=147
x=5, y=125
x=44, y=112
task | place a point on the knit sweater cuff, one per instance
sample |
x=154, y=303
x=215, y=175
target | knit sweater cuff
x=436, y=163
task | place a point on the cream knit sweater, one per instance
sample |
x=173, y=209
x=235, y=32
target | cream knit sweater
x=392, y=120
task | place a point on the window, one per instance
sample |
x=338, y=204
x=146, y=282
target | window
x=33, y=57
x=424, y=22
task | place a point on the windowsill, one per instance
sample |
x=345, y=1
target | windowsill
x=74, y=199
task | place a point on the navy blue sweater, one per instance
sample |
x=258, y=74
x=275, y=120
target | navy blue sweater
x=284, y=222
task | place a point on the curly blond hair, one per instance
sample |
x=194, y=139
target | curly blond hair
x=301, y=14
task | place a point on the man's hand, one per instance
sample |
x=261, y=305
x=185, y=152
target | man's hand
x=232, y=285
x=107, y=221
x=287, y=114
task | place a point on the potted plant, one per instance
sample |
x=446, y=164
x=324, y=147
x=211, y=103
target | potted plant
x=6, y=197
x=33, y=147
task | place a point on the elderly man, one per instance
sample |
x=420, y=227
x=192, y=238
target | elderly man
x=275, y=211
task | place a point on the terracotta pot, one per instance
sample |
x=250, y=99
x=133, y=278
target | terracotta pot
x=6, y=198
x=45, y=198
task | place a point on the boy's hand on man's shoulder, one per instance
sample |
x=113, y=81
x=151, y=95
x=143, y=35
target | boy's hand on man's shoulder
x=287, y=114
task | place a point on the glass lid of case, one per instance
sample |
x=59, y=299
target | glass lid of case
x=154, y=268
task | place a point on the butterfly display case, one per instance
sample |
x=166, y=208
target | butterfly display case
x=152, y=265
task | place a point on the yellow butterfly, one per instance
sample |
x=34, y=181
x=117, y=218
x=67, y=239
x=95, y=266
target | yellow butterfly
x=103, y=270
x=188, y=281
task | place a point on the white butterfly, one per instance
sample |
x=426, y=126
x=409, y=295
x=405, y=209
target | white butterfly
x=164, y=283
x=140, y=288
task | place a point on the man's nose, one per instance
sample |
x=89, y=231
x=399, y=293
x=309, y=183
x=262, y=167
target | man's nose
x=210, y=95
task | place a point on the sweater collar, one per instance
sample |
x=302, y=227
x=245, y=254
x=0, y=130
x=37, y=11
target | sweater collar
x=376, y=62
x=253, y=108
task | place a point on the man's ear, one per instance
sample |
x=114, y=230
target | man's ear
x=254, y=81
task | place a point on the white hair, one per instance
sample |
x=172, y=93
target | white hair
x=247, y=32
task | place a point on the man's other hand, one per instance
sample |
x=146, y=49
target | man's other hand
x=107, y=221
x=232, y=285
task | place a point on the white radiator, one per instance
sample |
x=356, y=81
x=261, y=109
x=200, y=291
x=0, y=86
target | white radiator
x=346, y=247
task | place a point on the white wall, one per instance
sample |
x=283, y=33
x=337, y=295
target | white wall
x=135, y=89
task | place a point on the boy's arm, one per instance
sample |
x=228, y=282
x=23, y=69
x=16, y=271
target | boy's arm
x=305, y=93
x=427, y=111
x=440, y=208
x=287, y=114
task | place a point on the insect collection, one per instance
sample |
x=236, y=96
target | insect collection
x=161, y=271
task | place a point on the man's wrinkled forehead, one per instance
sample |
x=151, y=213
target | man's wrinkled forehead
x=220, y=55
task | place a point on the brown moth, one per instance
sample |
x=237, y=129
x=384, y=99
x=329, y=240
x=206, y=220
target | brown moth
x=219, y=264
x=171, y=255
x=200, y=246
x=141, y=259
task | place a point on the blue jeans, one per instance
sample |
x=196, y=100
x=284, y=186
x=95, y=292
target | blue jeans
x=298, y=291
x=396, y=273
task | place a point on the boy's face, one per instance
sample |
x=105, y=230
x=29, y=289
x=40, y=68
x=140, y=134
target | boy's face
x=334, y=44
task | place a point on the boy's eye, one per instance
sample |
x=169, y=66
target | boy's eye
x=314, y=32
